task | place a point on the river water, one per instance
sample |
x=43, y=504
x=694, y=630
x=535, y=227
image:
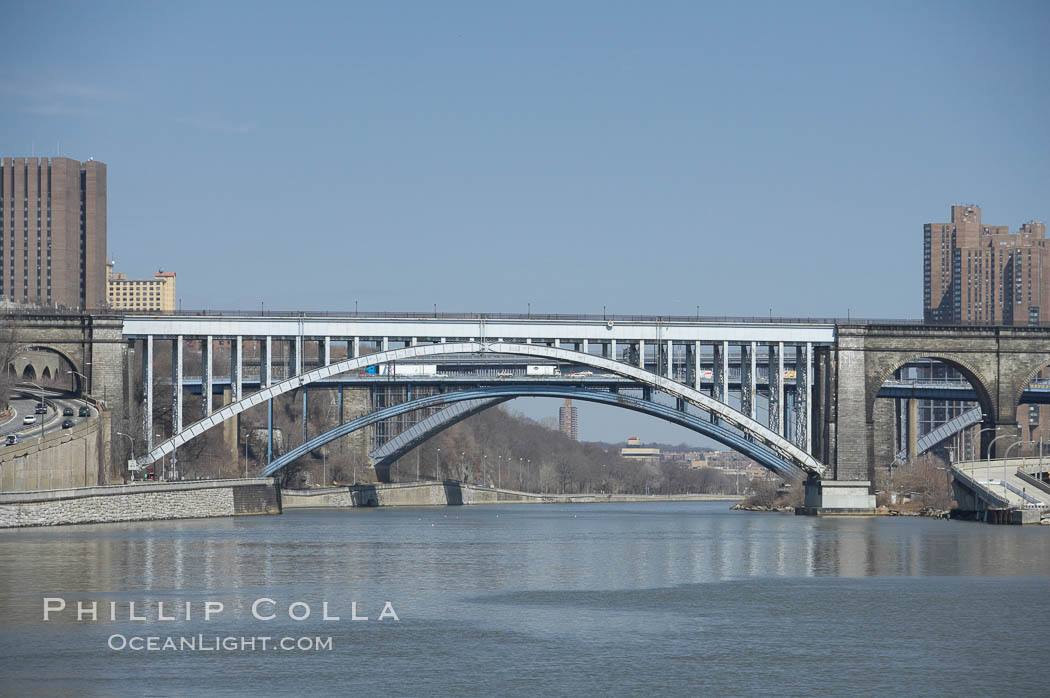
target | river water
x=650, y=598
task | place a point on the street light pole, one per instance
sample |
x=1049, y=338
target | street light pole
x=1006, y=457
x=40, y=443
x=1001, y=436
x=976, y=445
x=78, y=373
x=132, y=439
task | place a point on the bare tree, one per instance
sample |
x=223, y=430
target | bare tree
x=10, y=348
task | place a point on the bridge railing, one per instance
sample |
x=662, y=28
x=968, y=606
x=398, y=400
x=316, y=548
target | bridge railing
x=564, y=317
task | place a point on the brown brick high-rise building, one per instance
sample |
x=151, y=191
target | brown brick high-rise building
x=53, y=232
x=568, y=422
x=984, y=274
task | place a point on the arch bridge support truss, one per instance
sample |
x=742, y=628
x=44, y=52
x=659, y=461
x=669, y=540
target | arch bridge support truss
x=483, y=397
x=720, y=413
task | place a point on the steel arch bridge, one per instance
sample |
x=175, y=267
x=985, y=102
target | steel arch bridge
x=753, y=431
x=384, y=456
x=752, y=449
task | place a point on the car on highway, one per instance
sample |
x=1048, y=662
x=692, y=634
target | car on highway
x=67, y=411
x=68, y=424
x=40, y=409
x=29, y=419
x=11, y=440
x=84, y=412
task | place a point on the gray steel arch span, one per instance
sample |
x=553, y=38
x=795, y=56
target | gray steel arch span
x=752, y=429
x=738, y=442
x=423, y=430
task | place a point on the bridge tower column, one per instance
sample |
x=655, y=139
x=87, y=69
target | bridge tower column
x=747, y=380
x=823, y=431
x=913, y=429
x=176, y=385
x=269, y=431
x=670, y=359
x=355, y=349
x=297, y=365
x=696, y=365
x=237, y=364
x=147, y=392
x=612, y=349
x=803, y=387
x=776, y=387
x=328, y=350
x=720, y=389
x=266, y=362
x=206, y=375
x=641, y=353
x=176, y=395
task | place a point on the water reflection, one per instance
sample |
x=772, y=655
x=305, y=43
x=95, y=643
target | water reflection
x=562, y=591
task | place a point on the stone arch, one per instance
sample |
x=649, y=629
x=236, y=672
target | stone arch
x=46, y=375
x=29, y=373
x=1029, y=374
x=969, y=371
x=63, y=359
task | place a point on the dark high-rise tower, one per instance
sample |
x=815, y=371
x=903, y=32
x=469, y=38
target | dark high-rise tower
x=53, y=232
x=567, y=420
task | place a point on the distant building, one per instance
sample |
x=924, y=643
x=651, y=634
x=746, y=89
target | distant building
x=156, y=294
x=981, y=274
x=568, y=422
x=635, y=451
x=53, y=232
x=977, y=273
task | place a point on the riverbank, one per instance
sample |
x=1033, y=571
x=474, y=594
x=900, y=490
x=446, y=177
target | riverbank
x=928, y=512
x=141, y=501
x=454, y=493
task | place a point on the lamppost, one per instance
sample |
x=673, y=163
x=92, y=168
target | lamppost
x=132, y=440
x=988, y=456
x=975, y=445
x=1006, y=457
x=78, y=373
x=40, y=443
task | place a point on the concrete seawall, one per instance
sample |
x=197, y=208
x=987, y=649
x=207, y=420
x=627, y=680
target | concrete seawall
x=63, y=459
x=141, y=502
x=451, y=492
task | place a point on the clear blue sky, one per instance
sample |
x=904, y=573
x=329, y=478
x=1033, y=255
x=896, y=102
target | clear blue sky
x=484, y=155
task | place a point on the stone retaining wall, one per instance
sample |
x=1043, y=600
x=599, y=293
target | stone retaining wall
x=451, y=492
x=62, y=459
x=141, y=502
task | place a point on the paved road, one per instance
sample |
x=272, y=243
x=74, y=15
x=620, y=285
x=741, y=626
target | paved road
x=25, y=402
x=992, y=474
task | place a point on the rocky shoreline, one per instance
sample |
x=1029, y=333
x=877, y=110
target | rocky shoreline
x=880, y=511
